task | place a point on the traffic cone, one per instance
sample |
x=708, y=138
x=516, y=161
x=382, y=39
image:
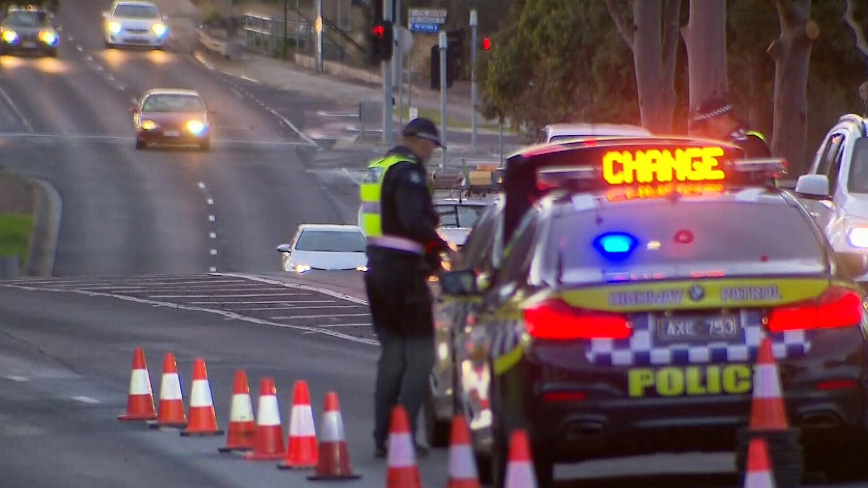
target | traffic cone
x=242, y=427
x=203, y=418
x=403, y=471
x=302, y=451
x=334, y=456
x=462, y=467
x=767, y=406
x=268, y=440
x=519, y=471
x=758, y=473
x=171, y=411
x=140, y=402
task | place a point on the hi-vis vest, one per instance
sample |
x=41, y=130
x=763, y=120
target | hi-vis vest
x=370, y=214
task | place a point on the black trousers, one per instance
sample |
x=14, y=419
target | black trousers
x=401, y=308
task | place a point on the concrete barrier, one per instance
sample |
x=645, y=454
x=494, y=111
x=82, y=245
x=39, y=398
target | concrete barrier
x=215, y=43
x=338, y=69
x=10, y=267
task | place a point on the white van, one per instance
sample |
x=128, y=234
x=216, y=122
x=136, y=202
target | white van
x=555, y=133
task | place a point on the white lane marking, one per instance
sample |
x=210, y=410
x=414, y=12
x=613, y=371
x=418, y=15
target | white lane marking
x=17, y=379
x=211, y=218
x=299, y=317
x=201, y=185
x=84, y=399
x=213, y=252
x=234, y=295
x=69, y=38
x=274, y=309
x=212, y=269
x=14, y=108
x=212, y=235
x=79, y=48
x=204, y=62
x=98, y=67
x=224, y=313
x=258, y=302
x=294, y=128
x=95, y=137
x=134, y=100
x=210, y=201
x=237, y=93
x=317, y=289
x=247, y=78
x=360, y=324
x=110, y=77
x=88, y=58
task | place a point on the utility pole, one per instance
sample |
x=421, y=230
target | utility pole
x=443, y=64
x=399, y=61
x=319, y=28
x=285, y=47
x=388, y=114
x=473, y=23
x=298, y=26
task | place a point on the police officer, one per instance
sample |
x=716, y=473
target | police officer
x=715, y=119
x=404, y=249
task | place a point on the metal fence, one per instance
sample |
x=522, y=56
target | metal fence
x=270, y=34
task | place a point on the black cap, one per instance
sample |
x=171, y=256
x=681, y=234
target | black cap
x=714, y=107
x=424, y=128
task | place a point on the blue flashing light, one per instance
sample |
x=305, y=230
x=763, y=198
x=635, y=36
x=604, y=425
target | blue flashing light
x=616, y=245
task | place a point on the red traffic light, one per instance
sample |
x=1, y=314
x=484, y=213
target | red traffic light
x=486, y=43
x=379, y=31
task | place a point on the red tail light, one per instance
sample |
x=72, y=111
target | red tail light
x=554, y=319
x=564, y=396
x=837, y=307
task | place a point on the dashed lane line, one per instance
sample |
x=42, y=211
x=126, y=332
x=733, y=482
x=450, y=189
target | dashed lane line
x=8, y=101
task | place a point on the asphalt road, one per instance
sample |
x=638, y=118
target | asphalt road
x=157, y=250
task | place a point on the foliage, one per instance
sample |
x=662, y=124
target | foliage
x=15, y=234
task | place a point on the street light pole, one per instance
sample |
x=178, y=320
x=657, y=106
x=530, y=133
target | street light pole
x=388, y=114
x=443, y=65
x=285, y=27
x=473, y=101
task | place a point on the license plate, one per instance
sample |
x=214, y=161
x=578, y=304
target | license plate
x=172, y=133
x=28, y=44
x=699, y=329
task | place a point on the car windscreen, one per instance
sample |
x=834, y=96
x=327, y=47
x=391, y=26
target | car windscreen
x=27, y=19
x=136, y=12
x=857, y=181
x=686, y=239
x=330, y=241
x=458, y=215
x=173, y=103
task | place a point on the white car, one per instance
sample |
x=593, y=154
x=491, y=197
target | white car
x=325, y=247
x=134, y=23
x=557, y=133
x=457, y=217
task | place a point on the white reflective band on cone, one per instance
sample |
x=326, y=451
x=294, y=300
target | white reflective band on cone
x=301, y=421
x=140, y=382
x=333, y=428
x=759, y=479
x=767, y=384
x=201, y=394
x=461, y=464
x=519, y=474
x=268, y=411
x=401, y=451
x=242, y=408
x=170, y=387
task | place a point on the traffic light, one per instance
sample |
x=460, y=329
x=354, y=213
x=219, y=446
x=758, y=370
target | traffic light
x=451, y=67
x=382, y=40
x=486, y=44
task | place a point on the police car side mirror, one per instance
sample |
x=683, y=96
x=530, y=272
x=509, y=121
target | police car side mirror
x=853, y=264
x=460, y=283
x=283, y=248
x=815, y=187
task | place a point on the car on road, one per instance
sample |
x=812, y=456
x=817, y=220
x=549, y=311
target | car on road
x=835, y=188
x=172, y=116
x=328, y=247
x=29, y=29
x=134, y=23
x=556, y=133
x=458, y=215
x=614, y=302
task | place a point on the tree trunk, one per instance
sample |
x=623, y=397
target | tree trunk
x=705, y=39
x=653, y=39
x=791, y=53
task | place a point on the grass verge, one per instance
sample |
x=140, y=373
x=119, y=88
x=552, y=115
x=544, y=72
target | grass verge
x=15, y=229
x=434, y=116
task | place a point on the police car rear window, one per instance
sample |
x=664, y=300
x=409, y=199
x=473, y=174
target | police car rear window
x=688, y=239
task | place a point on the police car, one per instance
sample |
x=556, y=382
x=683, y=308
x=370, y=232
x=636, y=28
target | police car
x=614, y=301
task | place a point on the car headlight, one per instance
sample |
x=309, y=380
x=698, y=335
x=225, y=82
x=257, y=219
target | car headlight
x=10, y=36
x=114, y=27
x=159, y=29
x=149, y=125
x=361, y=268
x=195, y=127
x=858, y=237
x=302, y=268
x=47, y=37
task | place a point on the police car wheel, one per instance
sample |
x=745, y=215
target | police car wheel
x=846, y=462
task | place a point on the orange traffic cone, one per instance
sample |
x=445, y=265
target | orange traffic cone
x=767, y=406
x=242, y=427
x=758, y=473
x=302, y=451
x=334, y=457
x=140, y=402
x=519, y=471
x=203, y=418
x=268, y=440
x=171, y=412
x=403, y=471
x=462, y=466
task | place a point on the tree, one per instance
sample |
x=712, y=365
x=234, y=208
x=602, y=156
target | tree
x=652, y=36
x=705, y=39
x=791, y=53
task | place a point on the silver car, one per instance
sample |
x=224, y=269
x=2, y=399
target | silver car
x=29, y=30
x=325, y=247
x=134, y=23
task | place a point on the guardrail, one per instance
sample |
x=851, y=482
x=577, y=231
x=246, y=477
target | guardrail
x=218, y=44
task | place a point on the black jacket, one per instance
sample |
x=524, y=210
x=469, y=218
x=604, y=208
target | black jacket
x=407, y=208
x=753, y=145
